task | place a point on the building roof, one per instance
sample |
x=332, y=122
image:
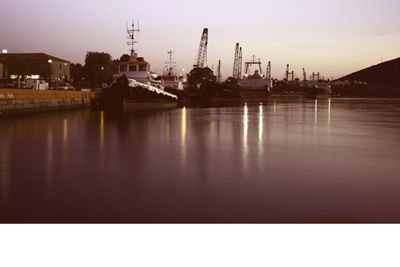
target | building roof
x=34, y=56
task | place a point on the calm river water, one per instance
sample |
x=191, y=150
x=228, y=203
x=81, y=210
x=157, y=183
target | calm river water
x=284, y=161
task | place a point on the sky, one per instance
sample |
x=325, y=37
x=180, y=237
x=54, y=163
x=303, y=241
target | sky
x=334, y=38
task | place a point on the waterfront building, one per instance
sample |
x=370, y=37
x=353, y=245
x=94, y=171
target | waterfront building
x=34, y=66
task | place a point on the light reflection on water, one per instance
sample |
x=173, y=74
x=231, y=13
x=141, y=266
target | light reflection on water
x=50, y=160
x=183, y=139
x=282, y=161
x=4, y=169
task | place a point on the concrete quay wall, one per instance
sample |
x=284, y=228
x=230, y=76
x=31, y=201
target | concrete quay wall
x=21, y=101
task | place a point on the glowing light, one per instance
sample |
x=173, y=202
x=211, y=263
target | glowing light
x=5, y=51
x=50, y=61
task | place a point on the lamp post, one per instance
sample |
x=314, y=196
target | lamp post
x=50, y=72
x=101, y=77
x=5, y=51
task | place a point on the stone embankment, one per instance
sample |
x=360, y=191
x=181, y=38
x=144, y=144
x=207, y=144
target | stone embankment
x=22, y=101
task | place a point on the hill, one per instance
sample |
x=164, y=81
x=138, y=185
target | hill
x=382, y=80
x=385, y=74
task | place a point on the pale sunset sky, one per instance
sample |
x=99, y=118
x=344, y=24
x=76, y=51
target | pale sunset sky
x=330, y=37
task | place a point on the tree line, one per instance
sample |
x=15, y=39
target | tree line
x=99, y=68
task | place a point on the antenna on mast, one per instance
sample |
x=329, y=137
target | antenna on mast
x=131, y=39
x=170, y=68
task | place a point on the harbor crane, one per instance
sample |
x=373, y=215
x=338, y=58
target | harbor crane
x=238, y=62
x=289, y=73
x=269, y=75
x=219, y=75
x=201, y=60
x=315, y=77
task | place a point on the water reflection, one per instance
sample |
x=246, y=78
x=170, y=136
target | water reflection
x=245, y=124
x=49, y=160
x=183, y=137
x=101, y=128
x=65, y=144
x=4, y=169
x=167, y=129
x=329, y=115
x=101, y=142
x=65, y=131
x=260, y=125
x=260, y=135
x=237, y=164
x=245, y=152
x=316, y=116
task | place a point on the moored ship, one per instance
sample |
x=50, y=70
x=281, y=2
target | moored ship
x=135, y=86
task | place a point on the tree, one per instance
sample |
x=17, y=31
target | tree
x=98, y=68
x=231, y=82
x=115, y=66
x=125, y=58
x=199, y=76
x=77, y=72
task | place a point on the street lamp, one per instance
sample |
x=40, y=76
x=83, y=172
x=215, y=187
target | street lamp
x=101, y=76
x=5, y=51
x=50, y=62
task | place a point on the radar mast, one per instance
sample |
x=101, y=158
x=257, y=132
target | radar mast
x=131, y=39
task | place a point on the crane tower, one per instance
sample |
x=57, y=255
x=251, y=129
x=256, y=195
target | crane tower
x=201, y=60
x=240, y=63
x=236, y=63
x=219, y=75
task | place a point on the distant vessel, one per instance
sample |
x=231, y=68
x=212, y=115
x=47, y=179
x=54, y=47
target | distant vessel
x=257, y=85
x=170, y=77
x=318, y=90
x=145, y=87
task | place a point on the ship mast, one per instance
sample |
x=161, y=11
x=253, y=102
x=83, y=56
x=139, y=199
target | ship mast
x=170, y=63
x=131, y=39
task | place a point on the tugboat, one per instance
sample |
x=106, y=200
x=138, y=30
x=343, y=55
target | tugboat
x=135, y=86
